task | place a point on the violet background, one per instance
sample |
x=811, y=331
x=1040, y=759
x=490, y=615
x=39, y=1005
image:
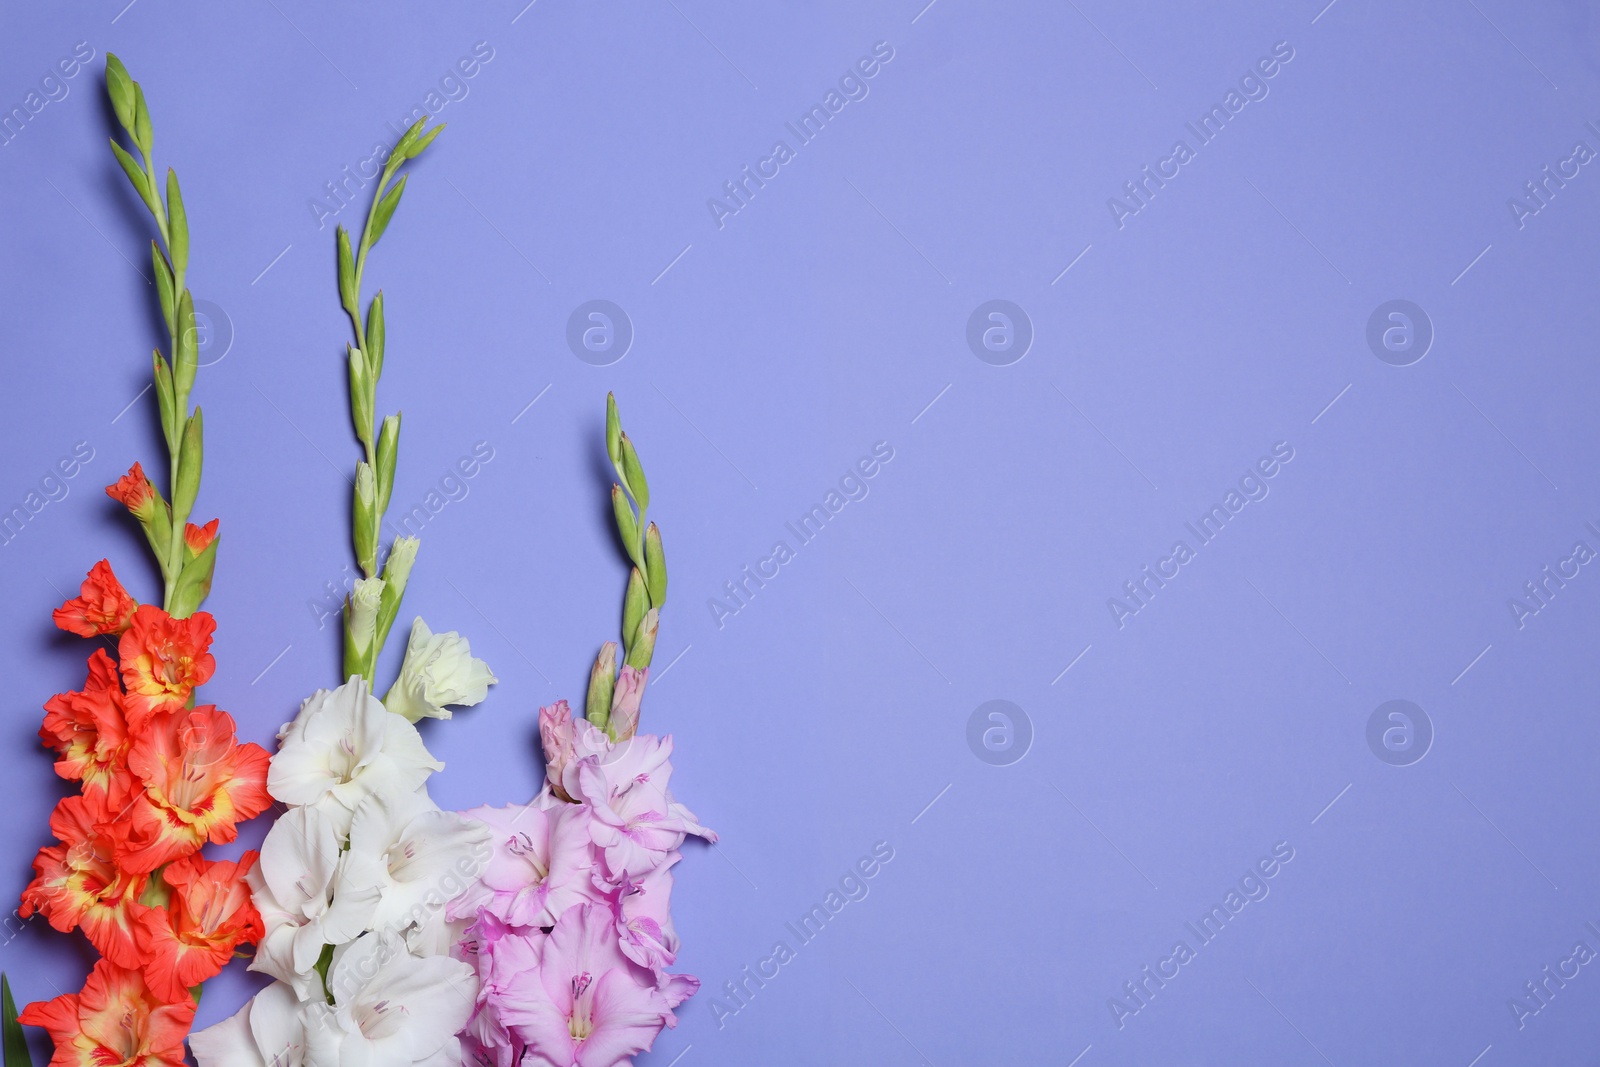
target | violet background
x=826, y=316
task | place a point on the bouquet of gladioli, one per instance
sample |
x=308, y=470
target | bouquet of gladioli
x=160, y=775
x=571, y=919
x=396, y=933
x=355, y=879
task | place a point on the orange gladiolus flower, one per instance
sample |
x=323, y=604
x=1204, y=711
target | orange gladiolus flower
x=88, y=730
x=194, y=936
x=199, y=538
x=134, y=491
x=116, y=1020
x=102, y=606
x=79, y=883
x=194, y=785
x=163, y=661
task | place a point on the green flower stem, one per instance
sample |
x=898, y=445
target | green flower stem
x=366, y=630
x=185, y=582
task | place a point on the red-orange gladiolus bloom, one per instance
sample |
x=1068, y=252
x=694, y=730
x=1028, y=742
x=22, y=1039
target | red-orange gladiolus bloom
x=102, y=606
x=79, y=883
x=194, y=785
x=194, y=936
x=164, y=660
x=134, y=491
x=199, y=538
x=87, y=729
x=116, y=1021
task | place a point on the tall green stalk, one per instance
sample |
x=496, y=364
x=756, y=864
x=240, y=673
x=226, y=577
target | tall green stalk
x=371, y=608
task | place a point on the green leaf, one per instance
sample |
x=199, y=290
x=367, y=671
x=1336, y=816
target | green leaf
x=177, y=224
x=119, y=87
x=633, y=474
x=136, y=175
x=16, y=1043
x=347, y=272
x=655, y=565
x=385, y=212
x=375, y=337
x=416, y=148
x=190, y=460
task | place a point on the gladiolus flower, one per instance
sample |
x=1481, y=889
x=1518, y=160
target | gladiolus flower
x=392, y=1007
x=439, y=670
x=89, y=732
x=342, y=748
x=78, y=882
x=197, y=786
x=269, y=1031
x=164, y=660
x=115, y=1020
x=102, y=606
x=293, y=887
x=540, y=865
x=405, y=854
x=135, y=492
x=198, y=538
x=208, y=916
x=588, y=1005
x=636, y=822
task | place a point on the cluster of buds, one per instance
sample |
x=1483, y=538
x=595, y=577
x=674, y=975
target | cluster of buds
x=614, y=696
x=371, y=607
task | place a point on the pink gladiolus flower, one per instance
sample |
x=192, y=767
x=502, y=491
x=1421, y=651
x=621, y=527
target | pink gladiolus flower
x=587, y=1005
x=636, y=821
x=540, y=865
x=643, y=910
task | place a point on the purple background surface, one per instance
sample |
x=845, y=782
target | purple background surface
x=1170, y=750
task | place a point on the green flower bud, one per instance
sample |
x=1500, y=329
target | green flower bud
x=633, y=474
x=396, y=572
x=119, y=87
x=360, y=627
x=602, y=680
x=627, y=525
x=643, y=645
x=634, y=604
x=655, y=565
x=388, y=448
x=177, y=224
x=190, y=460
x=366, y=519
x=385, y=212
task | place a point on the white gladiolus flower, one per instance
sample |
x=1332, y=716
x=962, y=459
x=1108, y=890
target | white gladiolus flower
x=269, y=1031
x=292, y=885
x=408, y=859
x=343, y=747
x=392, y=1008
x=439, y=671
